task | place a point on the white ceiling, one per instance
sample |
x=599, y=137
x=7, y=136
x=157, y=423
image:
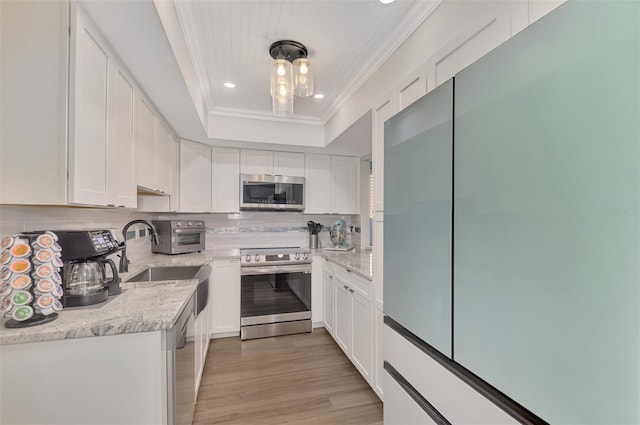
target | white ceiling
x=347, y=39
x=228, y=40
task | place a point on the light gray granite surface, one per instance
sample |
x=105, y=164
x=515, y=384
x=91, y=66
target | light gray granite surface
x=357, y=261
x=142, y=307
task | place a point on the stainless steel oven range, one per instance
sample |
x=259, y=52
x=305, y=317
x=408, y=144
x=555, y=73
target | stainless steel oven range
x=275, y=296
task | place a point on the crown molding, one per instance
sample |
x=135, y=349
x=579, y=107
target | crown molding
x=259, y=115
x=418, y=13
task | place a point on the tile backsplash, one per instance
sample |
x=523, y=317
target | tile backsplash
x=224, y=231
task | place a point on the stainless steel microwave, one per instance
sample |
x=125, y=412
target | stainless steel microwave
x=179, y=236
x=267, y=192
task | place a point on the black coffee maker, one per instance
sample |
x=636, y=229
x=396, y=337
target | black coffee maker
x=84, y=276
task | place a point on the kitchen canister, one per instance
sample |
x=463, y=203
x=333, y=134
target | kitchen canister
x=313, y=241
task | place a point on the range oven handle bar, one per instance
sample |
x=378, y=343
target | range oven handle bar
x=191, y=230
x=248, y=271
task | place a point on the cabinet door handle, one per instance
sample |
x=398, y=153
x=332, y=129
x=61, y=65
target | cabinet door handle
x=330, y=277
x=111, y=205
x=351, y=290
x=348, y=271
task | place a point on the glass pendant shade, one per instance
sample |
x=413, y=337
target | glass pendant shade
x=283, y=104
x=303, y=78
x=281, y=76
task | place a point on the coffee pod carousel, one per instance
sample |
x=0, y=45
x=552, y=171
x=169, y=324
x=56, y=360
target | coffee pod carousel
x=30, y=281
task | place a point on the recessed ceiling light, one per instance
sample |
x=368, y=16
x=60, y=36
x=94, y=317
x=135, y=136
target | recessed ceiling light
x=318, y=96
x=229, y=85
x=386, y=1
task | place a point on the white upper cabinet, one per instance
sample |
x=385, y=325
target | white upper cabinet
x=256, y=162
x=289, y=164
x=225, y=181
x=146, y=144
x=166, y=144
x=101, y=106
x=121, y=171
x=384, y=110
x=344, y=185
x=195, y=177
x=317, y=184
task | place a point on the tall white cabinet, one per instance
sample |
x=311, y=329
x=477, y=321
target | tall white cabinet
x=344, y=185
x=225, y=181
x=195, y=177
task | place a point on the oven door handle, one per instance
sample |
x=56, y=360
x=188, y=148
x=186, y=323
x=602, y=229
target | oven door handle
x=248, y=271
x=192, y=230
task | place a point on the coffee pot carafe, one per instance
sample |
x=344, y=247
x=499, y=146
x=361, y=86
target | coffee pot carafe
x=85, y=282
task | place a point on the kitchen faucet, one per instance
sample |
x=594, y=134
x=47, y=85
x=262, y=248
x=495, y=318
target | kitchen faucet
x=124, y=261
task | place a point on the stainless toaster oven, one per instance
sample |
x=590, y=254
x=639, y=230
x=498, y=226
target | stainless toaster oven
x=180, y=236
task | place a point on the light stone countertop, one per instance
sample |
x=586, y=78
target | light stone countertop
x=141, y=307
x=357, y=261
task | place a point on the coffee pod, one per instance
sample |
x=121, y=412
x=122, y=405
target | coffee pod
x=45, y=303
x=23, y=313
x=45, y=286
x=57, y=262
x=56, y=247
x=43, y=256
x=5, y=273
x=6, y=306
x=21, y=282
x=44, y=241
x=55, y=276
x=57, y=305
x=5, y=289
x=21, y=297
x=20, y=250
x=20, y=266
x=44, y=271
x=52, y=234
x=57, y=291
x=7, y=242
x=5, y=257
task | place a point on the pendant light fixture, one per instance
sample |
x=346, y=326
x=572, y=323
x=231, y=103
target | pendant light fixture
x=291, y=74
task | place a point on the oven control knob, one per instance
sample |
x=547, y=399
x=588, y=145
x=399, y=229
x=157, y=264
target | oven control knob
x=248, y=258
x=257, y=257
x=305, y=256
x=189, y=223
x=178, y=224
x=297, y=256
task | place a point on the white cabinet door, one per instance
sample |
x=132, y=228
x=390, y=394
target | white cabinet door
x=146, y=144
x=361, y=334
x=121, y=178
x=378, y=353
x=174, y=199
x=317, y=282
x=225, y=196
x=225, y=297
x=329, y=297
x=165, y=146
x=382, y=112
x=342, y=324
x=195, y=177
x=344, y=185
x=88, y=141
x=317, y=184
x=288, y=164
x=256, y=162
x=412, y=88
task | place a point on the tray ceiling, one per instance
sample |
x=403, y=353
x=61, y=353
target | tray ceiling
x=347, y=41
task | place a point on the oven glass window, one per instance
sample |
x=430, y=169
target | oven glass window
x=188, y=239
x=275, y=294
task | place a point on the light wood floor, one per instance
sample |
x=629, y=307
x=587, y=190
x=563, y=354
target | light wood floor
x=294, y=379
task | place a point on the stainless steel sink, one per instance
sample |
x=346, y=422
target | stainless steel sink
x=201, y=273
x=153, y=274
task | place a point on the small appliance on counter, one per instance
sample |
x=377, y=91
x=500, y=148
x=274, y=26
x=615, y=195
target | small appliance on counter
x=338, y=234
x=84, y=256
x=179, y=236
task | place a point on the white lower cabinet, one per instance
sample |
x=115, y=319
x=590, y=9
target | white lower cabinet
x=328, y=298
x=451, y=397
x=224, y=298
x=378, y=353
x=201, y=340
x=352, y=315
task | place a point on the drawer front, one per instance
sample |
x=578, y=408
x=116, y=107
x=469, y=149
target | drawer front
x=356, y=282
x=453, y=398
